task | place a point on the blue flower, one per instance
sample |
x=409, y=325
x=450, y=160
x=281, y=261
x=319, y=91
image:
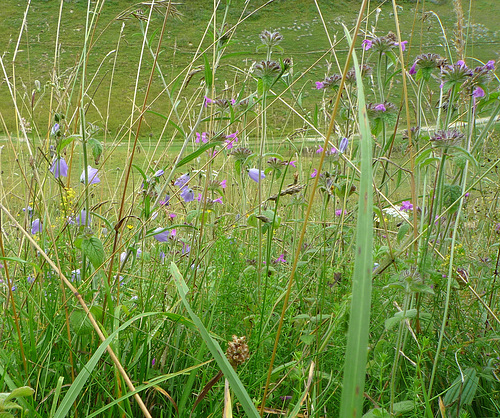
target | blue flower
x=59, y=168
x=75, y=275
x=344, y=143
x=187, y=194
x=91, y=174
x=255, y=174
x=55, y=129
x=81, y=219
x=36, y=226
x=159, y=173
x=161, y=234
x=182, y=180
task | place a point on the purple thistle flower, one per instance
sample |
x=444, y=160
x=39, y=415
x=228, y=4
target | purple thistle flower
x=166, y=201
x=403, y=44
x=186, y=248
x=231, y=140
x=182, y=180
x=59, y=168
x=344, y=143
x=256, y=175
x=161, y=234
x=367, y=44
x=207, y=101
x=91, y=174
x=406, y=206
x=413, y=69
x=203, y=137
x=36, y=226
x=478, y=92
x=281, y=259
x=187, y=194
x=380, y=107
x=339, y=212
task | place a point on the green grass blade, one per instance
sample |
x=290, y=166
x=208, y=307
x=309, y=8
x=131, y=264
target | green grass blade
x=150, y=384
x=215, y=349
x=359, y=323
x=83, y=376
x=56, y=396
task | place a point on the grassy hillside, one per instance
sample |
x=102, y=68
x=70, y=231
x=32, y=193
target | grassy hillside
x=299, y=22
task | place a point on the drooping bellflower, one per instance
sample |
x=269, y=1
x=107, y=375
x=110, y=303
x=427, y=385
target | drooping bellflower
x=59, y=168
x=255, y=174
x=91, y=175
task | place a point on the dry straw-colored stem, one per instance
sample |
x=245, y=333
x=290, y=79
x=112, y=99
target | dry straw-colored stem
x=84, y=306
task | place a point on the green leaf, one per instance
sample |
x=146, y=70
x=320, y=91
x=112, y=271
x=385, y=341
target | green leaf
x=20, y=392
x=237, y=167
x=197, y=153
x=96, y=147
x=80, y=323
x=93, y=249
x=307, y=339
x=139, y=169
x=208, y=72
x=359, y=322
x=377, y=413
x=403, y=407
x=403, y=229
x=215, y=349
x=65, y=142
x=20, y=260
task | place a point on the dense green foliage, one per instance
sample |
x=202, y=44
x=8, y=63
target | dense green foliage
x=256, y=230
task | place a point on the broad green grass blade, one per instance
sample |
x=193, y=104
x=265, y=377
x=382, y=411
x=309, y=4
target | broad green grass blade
x=215, y=349
x=153, y=382
x=359, y=323
x=83, y=376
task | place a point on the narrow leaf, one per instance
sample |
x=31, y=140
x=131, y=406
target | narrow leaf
x=213, y=346
x=357, y=337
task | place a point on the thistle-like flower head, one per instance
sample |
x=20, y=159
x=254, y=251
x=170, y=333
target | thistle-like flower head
x=266, y=69
x=455, y=73
x=430, y=61
x=447, y=138
x=270, y=39
x=241, y=153
x=276, y=163
x=237, y=351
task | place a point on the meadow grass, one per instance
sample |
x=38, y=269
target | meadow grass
x=284, y=211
